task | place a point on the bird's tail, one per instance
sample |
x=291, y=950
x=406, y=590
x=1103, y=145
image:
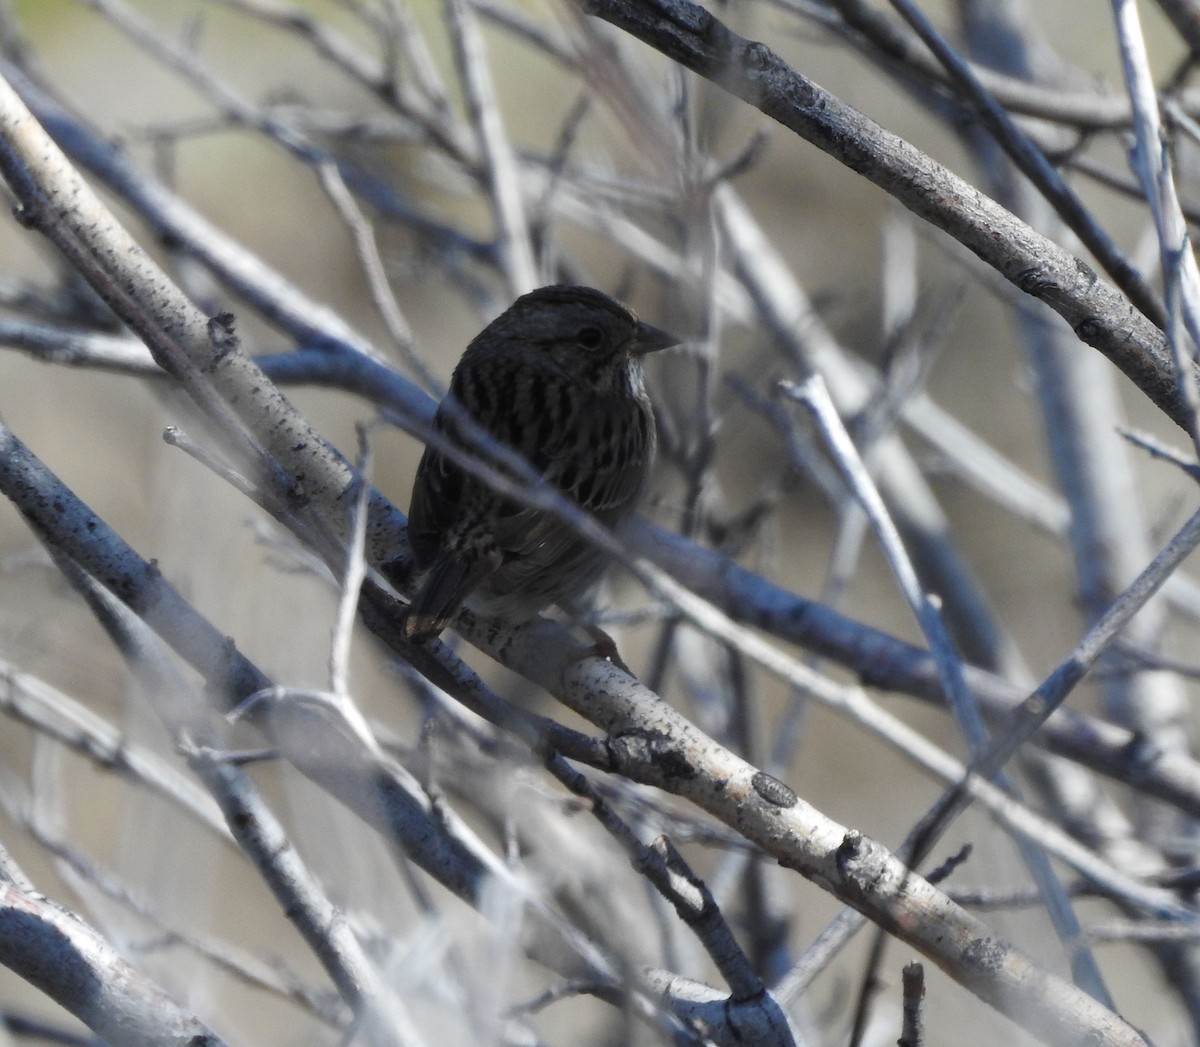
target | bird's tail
x=449, y=582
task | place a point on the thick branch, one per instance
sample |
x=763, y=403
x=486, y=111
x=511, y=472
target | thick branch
x=1099, y=314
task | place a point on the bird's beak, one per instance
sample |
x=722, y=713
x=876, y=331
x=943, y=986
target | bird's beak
x=649, y=339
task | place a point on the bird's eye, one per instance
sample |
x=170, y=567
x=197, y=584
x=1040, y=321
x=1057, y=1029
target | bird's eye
x=590, y=337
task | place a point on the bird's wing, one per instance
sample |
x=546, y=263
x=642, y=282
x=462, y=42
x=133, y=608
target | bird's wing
x=436, y=497
x=456, y=555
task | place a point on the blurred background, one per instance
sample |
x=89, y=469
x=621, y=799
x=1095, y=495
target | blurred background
x=634, y=216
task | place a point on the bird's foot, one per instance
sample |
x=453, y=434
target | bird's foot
x=603, y=646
